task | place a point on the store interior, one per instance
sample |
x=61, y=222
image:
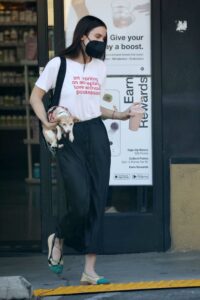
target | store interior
x=19, y=130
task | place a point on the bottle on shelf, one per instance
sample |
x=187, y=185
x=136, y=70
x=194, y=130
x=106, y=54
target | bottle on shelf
x=35, y=129
x=2, y=12
x=36, y=170
x=6, y=35
x=14, y=13
x=13, y=35
x=7, y=15
x=31, y=45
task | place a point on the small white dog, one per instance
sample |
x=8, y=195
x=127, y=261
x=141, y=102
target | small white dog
x=65, y=126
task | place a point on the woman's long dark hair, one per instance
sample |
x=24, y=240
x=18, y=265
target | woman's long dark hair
x=83, y=27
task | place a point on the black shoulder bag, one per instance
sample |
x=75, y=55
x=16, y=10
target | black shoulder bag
x=55, y=97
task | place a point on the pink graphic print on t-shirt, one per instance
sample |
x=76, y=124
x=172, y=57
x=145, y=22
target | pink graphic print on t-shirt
x=86, y=85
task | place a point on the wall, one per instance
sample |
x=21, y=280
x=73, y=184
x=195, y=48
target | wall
x=185, y=206
x=181, y=107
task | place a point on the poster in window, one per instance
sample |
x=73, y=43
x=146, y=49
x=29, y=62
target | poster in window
x=128, y=61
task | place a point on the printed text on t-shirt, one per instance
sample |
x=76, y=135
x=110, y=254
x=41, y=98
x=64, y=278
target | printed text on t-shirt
x=86, y=85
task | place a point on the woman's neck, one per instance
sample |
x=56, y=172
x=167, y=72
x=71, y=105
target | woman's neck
x=81, y=60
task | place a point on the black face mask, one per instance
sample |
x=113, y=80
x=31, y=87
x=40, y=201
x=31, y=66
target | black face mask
x=95, y=49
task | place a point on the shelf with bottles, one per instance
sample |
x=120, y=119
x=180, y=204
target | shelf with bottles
x=12, y=122
x=18, y=38
x=12, y=108
x=11, y=96
x=17, y=121
x=37, y=181
x=9, y=78
x=15, y=77
x=35, y=178
x=13, y=116
x=18, y=127
x=34, y=132
x=17, y=45
x=20, y=63
x=18, y=12
x=18, y=1
x=14, y=99
x=6, y=85
x=11, y=44
x=12, y=102
x=17, y=24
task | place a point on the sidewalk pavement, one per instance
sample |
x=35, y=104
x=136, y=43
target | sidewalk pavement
x=118, y=268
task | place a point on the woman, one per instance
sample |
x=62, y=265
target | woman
x=85, y=163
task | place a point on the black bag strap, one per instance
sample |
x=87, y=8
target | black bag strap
x=59, y=82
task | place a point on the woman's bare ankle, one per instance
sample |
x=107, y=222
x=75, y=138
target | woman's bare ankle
x=57, y=249
x=90, y=272
x=58, y=242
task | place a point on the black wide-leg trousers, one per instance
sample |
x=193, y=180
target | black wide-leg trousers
x=85, y=169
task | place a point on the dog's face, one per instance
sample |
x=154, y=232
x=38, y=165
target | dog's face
x=66, y=123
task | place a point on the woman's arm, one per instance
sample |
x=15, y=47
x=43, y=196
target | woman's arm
x=38, y=107
x=114, y=114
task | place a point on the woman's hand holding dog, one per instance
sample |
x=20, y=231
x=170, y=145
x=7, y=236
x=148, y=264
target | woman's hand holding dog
x=50, y=125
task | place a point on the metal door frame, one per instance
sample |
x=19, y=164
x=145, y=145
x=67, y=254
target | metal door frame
x=45, y=158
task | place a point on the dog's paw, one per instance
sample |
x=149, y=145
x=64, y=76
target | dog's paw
x=59, y=133
x=54, y=145
x=60, y=146
x=71, y=137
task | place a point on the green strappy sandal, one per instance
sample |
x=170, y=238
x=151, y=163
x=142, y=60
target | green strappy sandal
x=87, y=279
x=56, y=266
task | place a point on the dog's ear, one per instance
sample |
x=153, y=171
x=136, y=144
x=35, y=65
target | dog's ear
x=58, y=119
x=76, y=120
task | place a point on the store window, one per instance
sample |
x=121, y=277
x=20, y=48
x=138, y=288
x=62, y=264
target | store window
x=19, y=130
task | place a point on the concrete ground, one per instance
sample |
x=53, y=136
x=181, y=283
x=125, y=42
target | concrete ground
x=118, y=268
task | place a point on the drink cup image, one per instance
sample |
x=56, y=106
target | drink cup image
x=107, y=97
x=114, y=126
x=137, y=113
x=114, y=137
x=80, y=8
x=122, y=13
x=111, y=101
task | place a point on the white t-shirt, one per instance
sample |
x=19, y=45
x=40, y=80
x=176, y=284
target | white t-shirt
x=81, y=91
